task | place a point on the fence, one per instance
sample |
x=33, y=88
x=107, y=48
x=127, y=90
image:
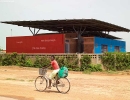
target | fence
x=95, y=58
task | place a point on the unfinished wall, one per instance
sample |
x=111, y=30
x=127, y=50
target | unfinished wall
x=72, y=45
x=70, y=35
x=88, y=44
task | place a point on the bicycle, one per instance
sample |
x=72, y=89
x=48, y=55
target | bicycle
x=41, y=82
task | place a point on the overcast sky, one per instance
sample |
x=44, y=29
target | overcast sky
x=112, y=11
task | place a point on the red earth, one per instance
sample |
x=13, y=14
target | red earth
x=18, y=83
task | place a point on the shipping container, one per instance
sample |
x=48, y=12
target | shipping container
x=108, y=45
x=47, y=43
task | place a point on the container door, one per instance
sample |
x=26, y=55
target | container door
x=67, y=46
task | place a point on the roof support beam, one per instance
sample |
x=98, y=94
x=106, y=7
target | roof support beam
x=38, y=31
x=80, y=40
x=31, y=30
x=34, y=33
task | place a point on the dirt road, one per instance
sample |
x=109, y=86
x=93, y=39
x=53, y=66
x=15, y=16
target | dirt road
x=18, y=83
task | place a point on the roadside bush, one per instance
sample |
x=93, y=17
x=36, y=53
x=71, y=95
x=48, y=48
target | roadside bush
x=116, y=61
x=85, y=61
x=108, y=60
x=61, y=61
x=122, y=61
x=94, y=68
x=0, y=60
x=6, y=60
x=41, y=62
x=14, y=58
x=70, y=62
x=45, y=61
x=10, y=59
x=28, y=63
x=21, y=60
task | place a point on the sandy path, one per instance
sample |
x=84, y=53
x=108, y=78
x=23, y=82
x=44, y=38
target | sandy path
x=18, y=83
x=5, y=98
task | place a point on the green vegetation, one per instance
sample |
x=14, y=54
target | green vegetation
x=111, y=62
x=116, y=61
x=85, y=61
x=41, y=62
x=1, y=49
x=10, y=79
x=70, y=61
x=0, y=60
x=13, y=79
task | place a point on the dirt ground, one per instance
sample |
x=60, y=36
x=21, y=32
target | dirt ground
x=18, y=83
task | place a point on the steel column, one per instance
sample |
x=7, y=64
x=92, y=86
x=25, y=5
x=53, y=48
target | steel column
x=79, y=33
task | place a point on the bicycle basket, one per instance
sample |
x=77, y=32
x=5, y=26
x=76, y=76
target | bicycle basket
x=42, y=71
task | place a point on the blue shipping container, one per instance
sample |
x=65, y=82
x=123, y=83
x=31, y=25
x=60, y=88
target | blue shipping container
x=110, y=45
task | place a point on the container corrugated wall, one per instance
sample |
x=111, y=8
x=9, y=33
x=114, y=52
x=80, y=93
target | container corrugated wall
x=51, y=43
x=110, y=43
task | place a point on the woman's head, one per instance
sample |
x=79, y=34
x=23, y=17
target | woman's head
x=52, y=57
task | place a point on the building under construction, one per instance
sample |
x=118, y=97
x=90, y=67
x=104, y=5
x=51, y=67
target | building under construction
x=68, y=36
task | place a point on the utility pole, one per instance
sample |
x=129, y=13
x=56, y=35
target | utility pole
x=11, y=32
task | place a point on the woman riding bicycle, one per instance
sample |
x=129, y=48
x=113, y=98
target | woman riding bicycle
x=56, y=69
x=61, y=82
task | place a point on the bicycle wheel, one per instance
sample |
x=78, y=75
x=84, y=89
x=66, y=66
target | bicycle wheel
x=63, y=85
x=41, y=83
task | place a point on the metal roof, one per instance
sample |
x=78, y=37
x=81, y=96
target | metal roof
x=88, y=34
x=68, y=25
x=99, y=34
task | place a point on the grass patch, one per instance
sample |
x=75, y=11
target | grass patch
x=30, y=80
x=21, y=80
x=87, y=72
x=112, y=72
x=10, y=79
x=13, y=79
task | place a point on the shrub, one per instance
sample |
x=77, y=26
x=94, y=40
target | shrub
x=45, y=61
x=122, y=61
x=21, y=60
x=10, y=59
x=6, y=60
x=108, y=60
x=61, y=61
x=85, y=61
x=70, y=62
x=28, y=63
x=116, y=61
x=1, y=60
x=41, y=62
x=14, y=58
x=94, y=68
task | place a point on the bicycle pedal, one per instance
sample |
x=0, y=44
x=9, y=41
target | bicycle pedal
x=53, y=85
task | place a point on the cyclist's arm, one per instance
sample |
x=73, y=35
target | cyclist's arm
x=48, y=66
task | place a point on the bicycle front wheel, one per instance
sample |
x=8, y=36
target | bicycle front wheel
x=63, y=85
x=41, y=83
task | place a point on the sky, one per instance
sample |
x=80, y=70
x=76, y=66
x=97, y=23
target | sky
x=113, y=11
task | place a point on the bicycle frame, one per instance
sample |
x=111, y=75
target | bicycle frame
x=53, y=80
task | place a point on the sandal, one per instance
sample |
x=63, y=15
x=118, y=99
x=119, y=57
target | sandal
x=49, y=87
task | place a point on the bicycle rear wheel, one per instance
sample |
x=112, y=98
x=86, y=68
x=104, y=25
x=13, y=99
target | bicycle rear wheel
x=40, y=83
x=63, y=85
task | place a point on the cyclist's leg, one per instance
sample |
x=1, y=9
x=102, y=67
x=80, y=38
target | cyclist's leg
x=52, y=75
x=50, y=78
